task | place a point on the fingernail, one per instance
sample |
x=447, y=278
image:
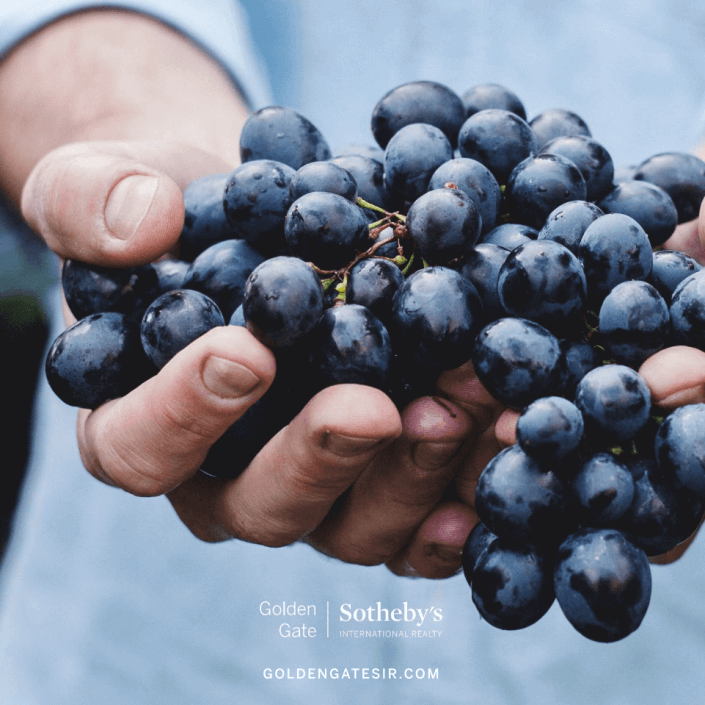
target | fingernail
x=228, y=379
x=128, y=204
x=431, y=456
x=350, y=445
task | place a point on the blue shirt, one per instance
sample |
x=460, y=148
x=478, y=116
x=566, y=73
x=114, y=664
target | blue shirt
x=107, y=598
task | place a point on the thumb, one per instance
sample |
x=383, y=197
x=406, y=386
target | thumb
x=151, y=440
x=113, y=203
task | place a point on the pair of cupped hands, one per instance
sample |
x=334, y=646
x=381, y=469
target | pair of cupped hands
x=349, y=475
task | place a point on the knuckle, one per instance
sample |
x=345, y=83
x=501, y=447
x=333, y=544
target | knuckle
x=131, y=470
x=262, y=531
x=190, y=425
x=359, y=555
x=356, y=551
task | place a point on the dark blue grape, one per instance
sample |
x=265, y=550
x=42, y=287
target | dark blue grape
x=360, y=150
x=580, y=358
x=220, y=272
x=614, y=249
x=661, y=515
x=556, y=122
x=648, y=204
x=91, y=289
x=256, y=199
x=634, y=322
x=512, y=585
x=171, y=274
x=544, y=282
x=411, y=157
x=176, y=319
x=520, y=501
x=418, y=102
x=476, y=181
x=680, y=447
x=372, y=283
x=593, y=160
x=478, y=540
x=436, y=316
x=323, y=176
x=510, y=235
x=688, y=312
x=549, y=428
x=499, y=139
x=603, y=490
x=350, y=345
x=538, y=185
x=238, y=317
x=615, y=402
x=282, y=135
x=624, y=173
x=567, y=223
x=481, y=266
x=205, y=223
x=670, y=268
x=602, y=583
x=369, y=177
x=518, y=361
x=681, y=176
x=487, y=96
x=444, y=224
x=283, y=301
x=97, y=359
x=326, y=229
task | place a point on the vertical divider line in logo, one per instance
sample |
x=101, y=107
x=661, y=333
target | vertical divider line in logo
x=327, y=620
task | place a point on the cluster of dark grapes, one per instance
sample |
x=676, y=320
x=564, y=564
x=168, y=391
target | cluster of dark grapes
x=469, y=233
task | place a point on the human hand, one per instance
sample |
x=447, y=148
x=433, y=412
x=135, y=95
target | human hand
x=152, y=441
x=349, y=474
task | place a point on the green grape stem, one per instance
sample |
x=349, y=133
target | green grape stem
x=406, y=269
x=342, y=291
x=371, y=206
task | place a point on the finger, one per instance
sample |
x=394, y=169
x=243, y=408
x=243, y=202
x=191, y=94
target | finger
x=400, y=487
x=113, y=203
x=689, y=238
x=157, y=436
x=297, y=477
x=676, y=376
x=463, y=388
x=484, y=447
x=506, y=428
x=435, y=550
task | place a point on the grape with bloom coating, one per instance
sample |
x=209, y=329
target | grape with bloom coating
x=680, y=447
x=435, y=317
x=283, y=301
x=445, y=224
x=518, y=361
x=603, y=583
x=326, y=229
x=615, y=402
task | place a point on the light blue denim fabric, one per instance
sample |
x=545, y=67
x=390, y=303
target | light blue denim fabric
x=107, y=598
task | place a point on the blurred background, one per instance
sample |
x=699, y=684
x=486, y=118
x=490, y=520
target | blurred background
x=25, y=265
